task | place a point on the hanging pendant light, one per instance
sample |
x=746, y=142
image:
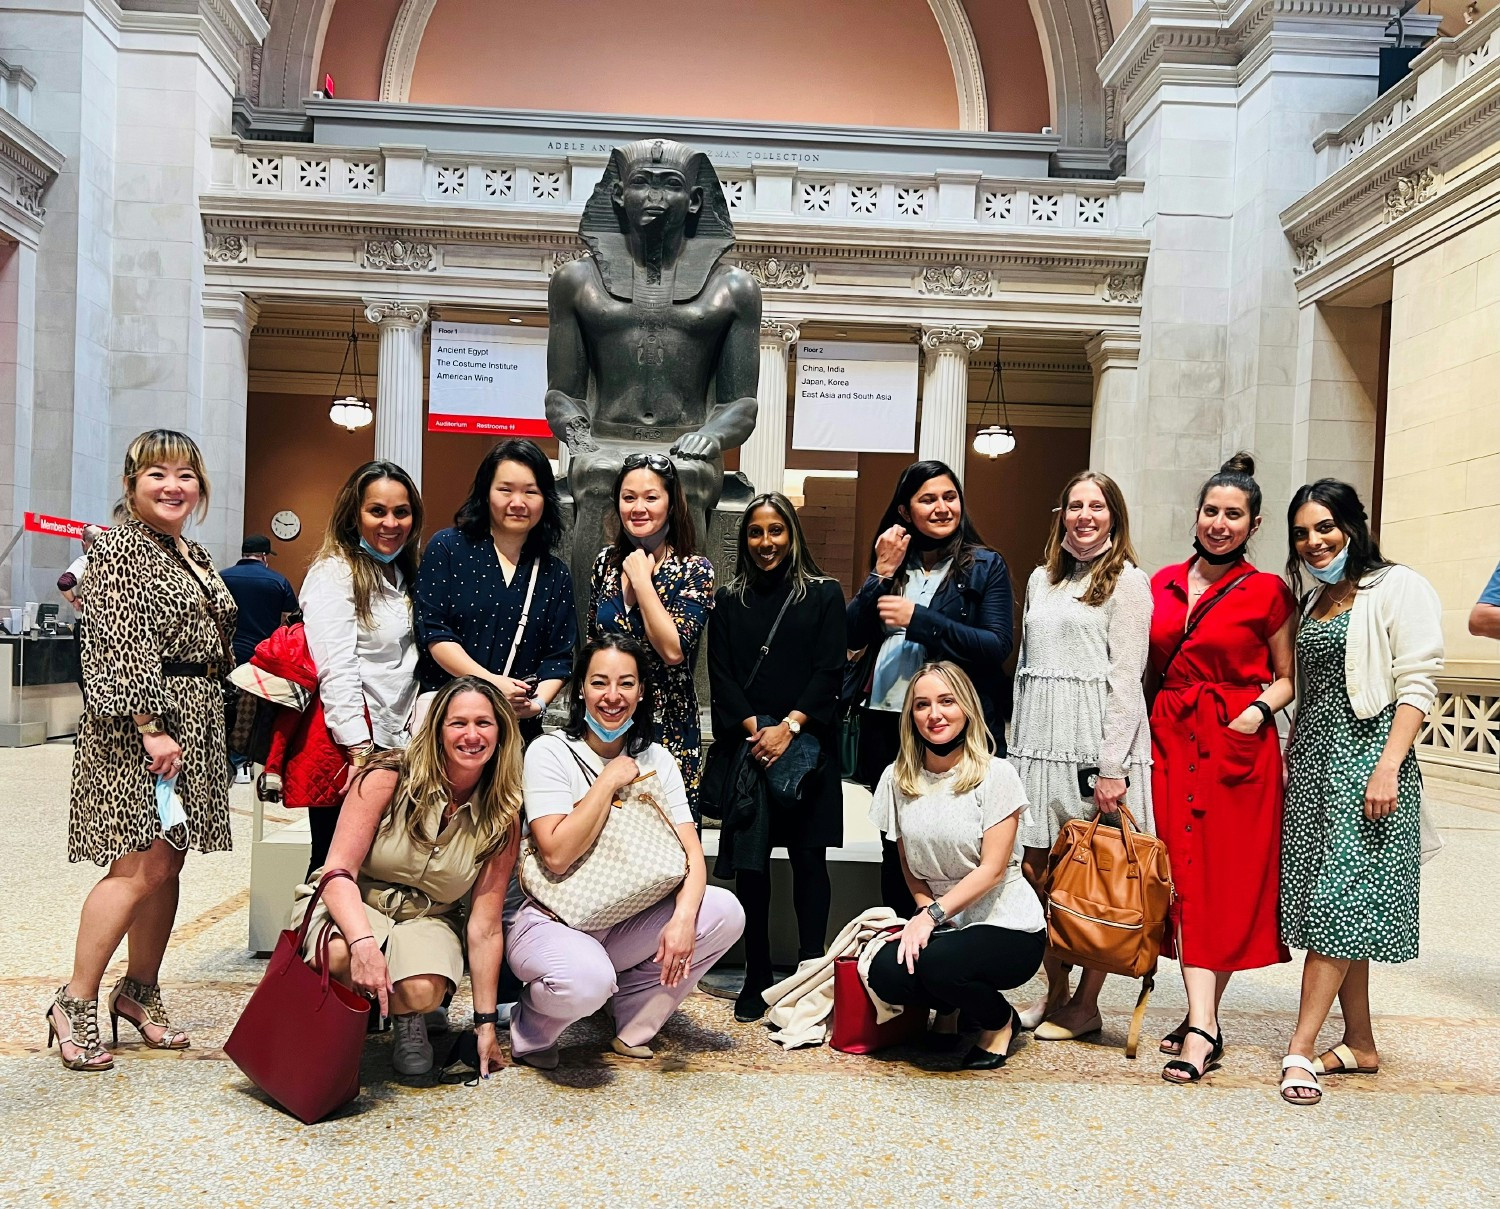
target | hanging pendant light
x=350, y=412
x=995, y=440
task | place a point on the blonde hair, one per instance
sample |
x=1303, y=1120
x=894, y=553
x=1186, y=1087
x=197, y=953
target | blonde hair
x=1105, y=571
x=422, y=789
x=159, y=447
x=974, y=765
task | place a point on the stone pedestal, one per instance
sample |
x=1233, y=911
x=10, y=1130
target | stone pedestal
x=763, y=456
x=945, y=394
x=398, y=394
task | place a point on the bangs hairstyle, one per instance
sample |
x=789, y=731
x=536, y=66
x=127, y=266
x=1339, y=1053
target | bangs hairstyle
x=1348, y=513
x=801, y=570
x=681, y=535
x=159, y=447
x=1105, y=570
x=965, y=539
x=1238, y=471
x=473, y=516
x=341, y=539
x=421, y=782
x=974, y=765
x=642, y=733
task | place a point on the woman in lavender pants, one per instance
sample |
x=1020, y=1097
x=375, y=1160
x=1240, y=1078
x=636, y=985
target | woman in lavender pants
x=643, y=967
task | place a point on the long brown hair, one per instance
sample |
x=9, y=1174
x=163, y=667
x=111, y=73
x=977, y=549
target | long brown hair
x=974, y=765
x=341, y=538
x=422, y=786
x=1105, y=570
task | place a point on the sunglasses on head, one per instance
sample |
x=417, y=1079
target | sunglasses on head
x=659, y=462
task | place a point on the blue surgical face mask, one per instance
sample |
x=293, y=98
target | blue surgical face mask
x=169, y=806
x=1333, y=572
x=604, y=733
x=376, y=554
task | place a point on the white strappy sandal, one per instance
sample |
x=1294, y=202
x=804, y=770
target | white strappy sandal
x=1348, y=1063
x=1289, y=1081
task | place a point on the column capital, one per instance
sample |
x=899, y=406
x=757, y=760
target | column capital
x=969, y=338
x=231, y=309
x=1113, y=349
x=775, y=331
x=396, y=312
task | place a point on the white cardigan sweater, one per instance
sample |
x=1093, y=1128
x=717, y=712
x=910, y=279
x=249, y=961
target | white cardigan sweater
x=1395, y=646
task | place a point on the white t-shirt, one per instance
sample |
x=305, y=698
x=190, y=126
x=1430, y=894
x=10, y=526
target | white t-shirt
x=942, y=832
x=553, y=783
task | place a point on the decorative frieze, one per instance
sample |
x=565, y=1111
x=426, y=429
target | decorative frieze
x=395, y=310
x=934, y=338
x=776, y=274
x=29, y=195
x=1309, y=256
x=1124, y=287
x=400, y=254
x=225, y=249
x=957, y=281
x=1409, y=192
x=568, y=256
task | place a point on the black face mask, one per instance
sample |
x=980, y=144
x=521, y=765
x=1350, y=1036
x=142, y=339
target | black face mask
x=1218, y=560
x=948, y=748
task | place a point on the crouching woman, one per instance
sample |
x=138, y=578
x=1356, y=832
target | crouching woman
x=953, y=809
x=642, y=967
x=423, y=827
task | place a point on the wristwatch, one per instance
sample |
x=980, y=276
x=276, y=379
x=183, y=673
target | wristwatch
x=792, y=725
x=935, y=910
x=486, y=1018
x=153, y=727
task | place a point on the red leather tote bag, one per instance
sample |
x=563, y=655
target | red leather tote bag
x=854, y=1029
x=300, y=1037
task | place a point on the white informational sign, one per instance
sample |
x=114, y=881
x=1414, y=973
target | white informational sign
x=856, y=397
x=488, y=378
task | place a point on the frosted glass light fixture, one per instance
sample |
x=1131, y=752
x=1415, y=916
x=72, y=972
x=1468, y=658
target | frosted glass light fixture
x=350, y=412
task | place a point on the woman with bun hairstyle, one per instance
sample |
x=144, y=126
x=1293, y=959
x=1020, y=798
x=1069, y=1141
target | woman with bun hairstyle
x=1221, y=661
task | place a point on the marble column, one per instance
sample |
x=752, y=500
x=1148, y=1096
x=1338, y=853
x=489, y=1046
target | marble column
x=945, y=394
x=399, y=422
x=763, y=456
x=228, y=317
x=1114, y=442
x=17, y=400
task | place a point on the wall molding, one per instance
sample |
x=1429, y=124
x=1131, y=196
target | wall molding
x=963, y=54
x=401, y=50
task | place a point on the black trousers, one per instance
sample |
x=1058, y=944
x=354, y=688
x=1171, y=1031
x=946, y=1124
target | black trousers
x=322, y=821
x=811, y=899
x=964, y=968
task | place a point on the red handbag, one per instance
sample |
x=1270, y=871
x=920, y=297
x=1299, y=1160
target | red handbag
x=301, y=1036
x=854, y=1027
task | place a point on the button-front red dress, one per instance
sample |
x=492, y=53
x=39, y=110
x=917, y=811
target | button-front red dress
x=1218, y=793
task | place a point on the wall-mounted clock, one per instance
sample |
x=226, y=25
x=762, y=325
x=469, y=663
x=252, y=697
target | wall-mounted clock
x=286, y=525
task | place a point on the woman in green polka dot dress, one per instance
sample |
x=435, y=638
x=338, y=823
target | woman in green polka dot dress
x=1368, y=649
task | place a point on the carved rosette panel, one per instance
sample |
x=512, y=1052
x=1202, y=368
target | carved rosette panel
x=394, y=310
x=776, y=274
x=955, y=281
x=1409, y=192
x=1123, y=287
x=29, y=197
x=225, y=249
x=778, y=331
x=400, y=254
x=933, y=338
x=1309, y=256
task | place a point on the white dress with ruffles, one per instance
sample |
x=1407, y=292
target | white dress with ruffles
x=1079, y=701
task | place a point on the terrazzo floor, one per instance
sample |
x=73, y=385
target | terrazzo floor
x=724, y=1117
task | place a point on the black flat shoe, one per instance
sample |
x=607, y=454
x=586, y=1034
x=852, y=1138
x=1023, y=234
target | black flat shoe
x=981, y=1059
x=1192, y=1072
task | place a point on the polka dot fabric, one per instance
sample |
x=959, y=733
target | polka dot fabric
x=1349, y=885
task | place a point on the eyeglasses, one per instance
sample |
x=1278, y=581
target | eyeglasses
x=659, y=462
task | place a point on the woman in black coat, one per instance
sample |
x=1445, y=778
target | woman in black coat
x=935, y=591
x=794, y=691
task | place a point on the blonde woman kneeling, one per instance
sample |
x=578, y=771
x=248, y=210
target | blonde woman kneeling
x=952, y=807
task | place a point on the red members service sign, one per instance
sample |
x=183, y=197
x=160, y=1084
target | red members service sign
x=55, y=526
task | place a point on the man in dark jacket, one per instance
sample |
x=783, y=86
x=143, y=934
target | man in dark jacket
x=265, y=597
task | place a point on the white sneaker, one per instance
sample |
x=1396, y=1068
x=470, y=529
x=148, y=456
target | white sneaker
x=411, y=1054
x=242, y=775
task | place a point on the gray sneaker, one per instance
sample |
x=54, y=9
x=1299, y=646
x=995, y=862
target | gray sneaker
x=411, y=1053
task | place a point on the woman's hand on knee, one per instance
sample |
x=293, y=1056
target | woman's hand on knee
x=674, y=951
x=369, y=974
x=914, y=938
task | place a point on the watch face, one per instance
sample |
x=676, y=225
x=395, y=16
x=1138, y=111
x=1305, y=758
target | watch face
x=286, y=525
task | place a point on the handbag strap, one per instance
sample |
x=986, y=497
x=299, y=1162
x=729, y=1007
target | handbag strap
x=1198, y=615
x=515, y=643
x=765, y=647
x=589, y=774
x=329, y=876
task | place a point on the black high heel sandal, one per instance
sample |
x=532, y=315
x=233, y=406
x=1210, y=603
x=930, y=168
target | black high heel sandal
x=1193, y=1073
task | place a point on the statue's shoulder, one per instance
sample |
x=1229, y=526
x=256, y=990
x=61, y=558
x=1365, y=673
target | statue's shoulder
x=740, y=284
x=574, y=276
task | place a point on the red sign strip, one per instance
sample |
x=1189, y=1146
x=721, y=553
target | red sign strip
x=56, y=526
x=488, y=425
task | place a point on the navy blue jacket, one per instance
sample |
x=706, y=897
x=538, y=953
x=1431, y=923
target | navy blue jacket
x=970, y=622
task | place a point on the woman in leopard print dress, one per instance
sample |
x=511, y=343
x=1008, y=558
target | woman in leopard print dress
x=155, y=645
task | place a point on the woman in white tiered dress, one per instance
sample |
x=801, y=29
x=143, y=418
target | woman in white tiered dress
x=1080, y=709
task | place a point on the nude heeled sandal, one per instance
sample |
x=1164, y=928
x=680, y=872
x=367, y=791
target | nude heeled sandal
x=83, y=1022
x=148, y=999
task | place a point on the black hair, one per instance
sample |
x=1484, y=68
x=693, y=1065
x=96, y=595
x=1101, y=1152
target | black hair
x=643, y=733
x=681, y=535
x=1348, y=513
x=965, y=539
x=473, y=515
x=799, y=564
x=1237, y=472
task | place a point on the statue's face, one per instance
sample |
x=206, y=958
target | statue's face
x=657, y=197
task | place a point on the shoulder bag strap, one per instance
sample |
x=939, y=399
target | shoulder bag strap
x=1197, y=617
x=765, y=647
x=588, y=773
x=515, y=643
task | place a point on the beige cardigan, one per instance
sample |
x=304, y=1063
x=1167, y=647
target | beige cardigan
x=801, y=1003
x=1395, y=646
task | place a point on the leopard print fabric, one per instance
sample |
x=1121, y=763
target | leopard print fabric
x=146, y=607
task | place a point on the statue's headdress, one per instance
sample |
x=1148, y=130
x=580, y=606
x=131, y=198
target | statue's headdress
x=709, y=233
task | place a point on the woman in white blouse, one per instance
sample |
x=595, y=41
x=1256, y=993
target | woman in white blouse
x=356, y=605
x=1080, y=714
x=952, y=807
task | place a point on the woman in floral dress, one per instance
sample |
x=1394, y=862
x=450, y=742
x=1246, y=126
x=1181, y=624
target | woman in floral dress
x=652, y=584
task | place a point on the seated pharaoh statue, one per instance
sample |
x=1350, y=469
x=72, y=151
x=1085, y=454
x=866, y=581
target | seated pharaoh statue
x=642, y=329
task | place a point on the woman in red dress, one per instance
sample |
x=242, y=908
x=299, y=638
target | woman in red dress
x=1221, y=654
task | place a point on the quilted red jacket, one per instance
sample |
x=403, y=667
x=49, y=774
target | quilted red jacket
x=311, y=765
